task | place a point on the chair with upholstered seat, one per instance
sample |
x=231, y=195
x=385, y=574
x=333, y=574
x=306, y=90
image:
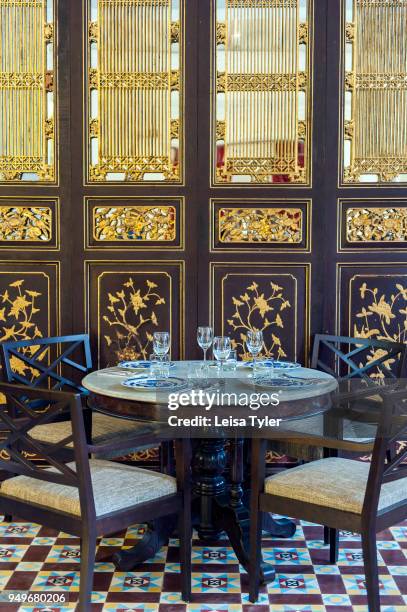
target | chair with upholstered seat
x=339, y=493
x=85, y=497
x=60, y=363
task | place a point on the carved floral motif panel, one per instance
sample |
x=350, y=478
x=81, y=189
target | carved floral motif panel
x=271, y=298
x=128, y=302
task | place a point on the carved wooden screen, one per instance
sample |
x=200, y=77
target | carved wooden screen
x=169, y=162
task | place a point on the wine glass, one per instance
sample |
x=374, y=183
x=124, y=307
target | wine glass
x=254, y=343
x=204, y=336
x=221, y=349
x=161, y=343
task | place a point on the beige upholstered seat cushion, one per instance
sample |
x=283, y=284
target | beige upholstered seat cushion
x=334, y=483
x=115, y=486
x=104, y=429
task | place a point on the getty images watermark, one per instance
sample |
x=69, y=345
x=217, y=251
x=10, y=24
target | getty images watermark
x=218, y=401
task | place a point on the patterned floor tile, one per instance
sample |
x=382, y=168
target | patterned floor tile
x=294, y=583
x=136, y=581
x=355, y=584
x=40, y=559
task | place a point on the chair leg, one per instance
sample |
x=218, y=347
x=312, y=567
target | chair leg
x=88, y=552
x=185, y=551
x=371, y=570
x=255, y=555
x=326, y=535
x=8, y=518
x=333, y=544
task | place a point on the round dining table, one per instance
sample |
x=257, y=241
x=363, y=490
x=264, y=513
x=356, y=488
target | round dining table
x=219, y=457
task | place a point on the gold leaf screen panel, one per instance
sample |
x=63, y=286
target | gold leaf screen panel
x=29, y=223
x=27, y=91
x=135, y=90
x=262, y=91
x=145, y=222
x=375, y=91
x=260, y=224
x=373, y=224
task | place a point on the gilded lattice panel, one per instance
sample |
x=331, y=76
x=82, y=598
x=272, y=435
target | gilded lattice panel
x=262, y=91
x=262, y=225
x=25, y=223
x=365, y=225
x=375, y=91
x=134, y=91
x=27, y=91
x=134, y=223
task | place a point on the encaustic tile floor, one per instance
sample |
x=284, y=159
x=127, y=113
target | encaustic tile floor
x=37, y=559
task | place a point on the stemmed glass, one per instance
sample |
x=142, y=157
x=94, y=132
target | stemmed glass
x=221, y=349
x=254, y=343
x=204, y=336
x=161, y=343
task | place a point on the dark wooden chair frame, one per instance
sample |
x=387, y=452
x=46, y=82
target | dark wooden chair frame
x=88, y=526
x=69, y=349
x=335, y=344
x=335, y=347
x=392, y=427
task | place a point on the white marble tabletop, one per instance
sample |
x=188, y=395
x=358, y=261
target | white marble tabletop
x=109, y=381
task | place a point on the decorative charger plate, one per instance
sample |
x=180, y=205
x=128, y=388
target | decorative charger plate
x=161, y=384
x=138, y=365
x=269, y=363
x=292, y=383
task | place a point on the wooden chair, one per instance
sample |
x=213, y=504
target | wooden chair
x=349, y=359
x=339, y=493
x=86, y=497
x=60, y=363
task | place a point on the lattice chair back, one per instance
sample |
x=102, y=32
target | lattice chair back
x=57, y=363
x=387, y=467
x=349, y=358
x=22, y=454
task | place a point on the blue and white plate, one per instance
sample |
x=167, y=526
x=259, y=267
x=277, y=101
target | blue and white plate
x=160, y=384
x=269, y=363
x=138, y=365
x=292, y=383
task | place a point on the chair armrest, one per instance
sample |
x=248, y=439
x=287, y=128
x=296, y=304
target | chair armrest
x=153, y=438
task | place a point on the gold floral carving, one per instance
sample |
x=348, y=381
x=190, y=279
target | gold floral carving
x=93, y=31
x=303, y=33
x=19, y=321
x=175, y=31
x=349, y=127
x=49, y=32
x=376, y=224
x=134, y=223
x=266, y=225
x=25, y=223
x=257, y=311
x=220, y=130
x=220, y=33
x=382, y=316
x=350, y=31
x=131, y=313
